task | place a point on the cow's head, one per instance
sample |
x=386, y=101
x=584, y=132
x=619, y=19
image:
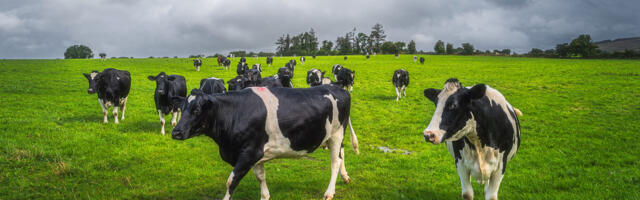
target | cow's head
x=196, y=110
x=284, y=73
x=162, y=80
x=314, y=77
x=253, y=76
x=452, y=118
x=237, y=83
x=347, y=76
x=93, y=78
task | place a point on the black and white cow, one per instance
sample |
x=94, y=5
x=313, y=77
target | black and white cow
x=226, y=63
x=275, y=123
x=238, y=83
x=415, y=59
x=422, y=60
x=168, y=87
x=285, y=75
x=316, y=77
x=269, y=61
x=291, y=65
x=197, y=63
x=220, y=60
x=367, y=56
x=257, y=66
x=335, y=70
x=400, y=81
x=345, y=78
x=212, y=85
x=396, y=55
x=113, y=87
x=302, y=59
x=254, y=76
x=345, y=58
x=481, y=131
x=243, y=60
x=242, y=68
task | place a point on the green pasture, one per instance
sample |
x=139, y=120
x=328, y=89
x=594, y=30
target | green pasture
x=580, y=132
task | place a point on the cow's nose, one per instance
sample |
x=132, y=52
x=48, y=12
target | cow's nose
x=90, y=91
x=429, y=136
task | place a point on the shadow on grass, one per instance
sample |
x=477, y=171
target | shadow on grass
x=380, y=97
x=144, y=126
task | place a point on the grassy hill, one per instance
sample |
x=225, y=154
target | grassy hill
x=619, y=45
x=580, y=133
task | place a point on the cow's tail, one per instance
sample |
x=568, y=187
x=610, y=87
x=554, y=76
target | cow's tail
x=517, y=111
x=354, y=138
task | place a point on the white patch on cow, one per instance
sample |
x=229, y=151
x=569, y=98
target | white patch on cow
x=93, y=75
x=434, y=124
x=326, y=81
x=191, y=98
x=227, y=196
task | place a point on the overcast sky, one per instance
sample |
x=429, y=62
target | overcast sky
x=142, y=28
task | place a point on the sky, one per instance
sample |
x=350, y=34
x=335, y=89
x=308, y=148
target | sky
x=143, y=28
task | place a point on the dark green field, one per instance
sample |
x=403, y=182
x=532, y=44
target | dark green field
x=580, y=133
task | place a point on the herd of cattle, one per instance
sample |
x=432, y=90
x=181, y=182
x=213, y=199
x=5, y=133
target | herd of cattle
x=258, y=119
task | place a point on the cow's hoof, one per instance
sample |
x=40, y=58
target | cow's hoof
x=174, y=124
x=346, y=180
x=116, y=122
x=328, y=197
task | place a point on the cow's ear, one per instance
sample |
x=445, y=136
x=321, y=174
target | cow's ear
x=432, y=94
x=86, y=75
x=477, y=91
x=152, y=78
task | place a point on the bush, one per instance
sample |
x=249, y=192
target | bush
x=78, y=51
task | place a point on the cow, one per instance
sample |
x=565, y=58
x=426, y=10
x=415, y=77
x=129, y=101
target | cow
x=400, y=81
x=226, y=63
x=422, y=60
x=212, y=85
x=481, y=131
x=238, y=83
x=335, y=70
x=302, y=59
x=396, y=55
x=345, y=78
x=415, y=59
x=269, y=61
x=367, y=56
x=243, y=60
x=220, y=60
x=242, y=68
x=257, y=66
x=313, y=56
x=168, y=87
x=291, y=65
x=345, y=58
x=274, y=123
x=253, y=77
x=197, y=63
x=113, y=87
x=316, y=77
x=285, y=75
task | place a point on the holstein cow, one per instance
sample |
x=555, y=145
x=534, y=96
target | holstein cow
x=302, y=59
x=113, y=87
x=238, y=83
x=316, y=77
x=400, y=81
x=269, y=61
x=257, y=66
x=422, y=60
x=243, y=60
x=345, y=78
x=396, y=55
x=291, y=65
x=481, y=131
x=415, y=59
x=254, y=76
x=335, y=70
x=212, y=85
x=345, y=58
x=220, y=60
x=242, y=68
x=168, y=87
x=275, y=123
x=197, y=63
x=226, y=63
x=284, y=75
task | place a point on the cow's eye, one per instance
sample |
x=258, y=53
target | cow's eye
x=453, y=106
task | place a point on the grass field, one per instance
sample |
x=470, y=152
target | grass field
x=580, y=133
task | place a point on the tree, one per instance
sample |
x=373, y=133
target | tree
x=450, y=49
x=327, y=46
x=563, y=50
x=583, y=46
x=439, y=47
x=411, y=48
x=78, y=51
x=467, y=49
x=343, y=45
x=377, y=36
x=363, y=43
x=506, y=52
x=103, y=56
x=388, y=48
x=399, y=47
x=535, y=52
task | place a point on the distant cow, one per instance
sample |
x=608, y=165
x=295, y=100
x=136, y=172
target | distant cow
x=335, y=70
x=313, y=56
x=269, y=61
x=481, y=131
x=243, y=60
x=242, y=68
x=226, y=63
x=345, y=58
x=396, y=55
x=212, y=85
x=220, y=60
x=415, y=59
x=422, y=60
x=275, y=123
x=113, y=87
x=168, y=87
x=367, y=56
x=292, y=66
x=302, y=59
x=345, y=78
x=257, y=66
x=316, y=77
x=197, y=63
x=253, y=77
x=400, y=81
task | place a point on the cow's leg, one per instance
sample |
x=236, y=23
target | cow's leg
x=124, y=107
x=336, y=161
x=174, y=116
x=115, y=114
x=245, y=162
x=105, y=110
x=397, y=94
x=161, y=121
x=343, y=169
x=465, y=181
x=404, y=91
x=491, y=188
x=260, y=175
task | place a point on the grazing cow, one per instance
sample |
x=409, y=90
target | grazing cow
x=238, y=83
x=257, y=66
x=212, y=85
x=242, y=68
x=275, y=123
x=302, y=59
x=415, y=59
x=335, y=70
x=422, y=60
x=243, y=60
x=345, y=58
x=269, y=61
x=481, y=131
x=226, y=63
x=400, y=81
x=315, y=77
x=168, y=87
x=345, y=78
x=253, y=77
x=197, y=63
x=113, y=87
x=220, y=60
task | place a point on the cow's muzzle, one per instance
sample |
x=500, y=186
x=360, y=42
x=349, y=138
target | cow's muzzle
x=177, y=135
x=91, y=91
x=431, y=136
